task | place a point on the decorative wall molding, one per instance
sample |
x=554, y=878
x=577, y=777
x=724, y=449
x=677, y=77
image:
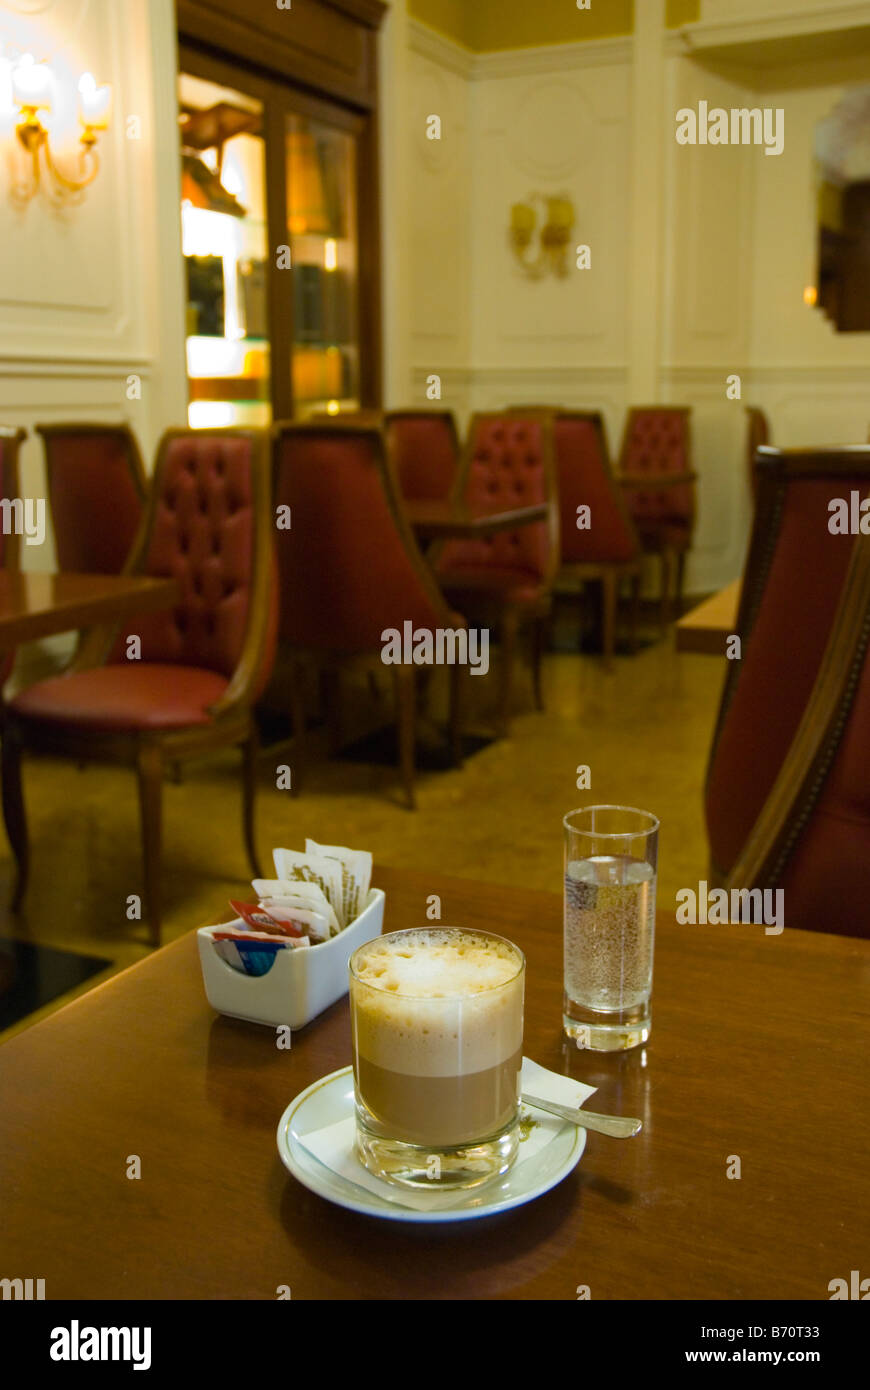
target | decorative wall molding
x=558, y=57
x=80, y=366
x=439, y=49
x=755, y=28
x=516, y=62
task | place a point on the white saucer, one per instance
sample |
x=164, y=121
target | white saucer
x=331, y=1099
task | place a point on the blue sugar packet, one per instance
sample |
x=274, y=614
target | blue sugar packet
x=255, y=957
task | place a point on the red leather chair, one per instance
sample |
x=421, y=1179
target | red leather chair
x=349, y=566
x=208, y=525
x=424, y=450
x=659, y=487
x=96, y=487
x=10, y=544
x=609, y=549
x=812, y=836
x=770, y=702
x=506, y=579
x=758, y=433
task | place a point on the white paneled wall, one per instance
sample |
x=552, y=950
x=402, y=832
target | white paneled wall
x=93, y=294
x=734, y=230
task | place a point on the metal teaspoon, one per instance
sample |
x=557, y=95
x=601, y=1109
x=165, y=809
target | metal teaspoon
x=617, y=1126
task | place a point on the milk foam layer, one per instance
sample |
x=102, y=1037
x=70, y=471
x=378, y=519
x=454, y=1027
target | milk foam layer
x=438, y=1002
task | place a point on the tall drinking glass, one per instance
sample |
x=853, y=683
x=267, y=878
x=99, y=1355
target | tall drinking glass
x=611, y=855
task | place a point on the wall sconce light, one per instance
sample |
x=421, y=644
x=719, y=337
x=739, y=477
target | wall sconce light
x=32, y=87
x=554, y=236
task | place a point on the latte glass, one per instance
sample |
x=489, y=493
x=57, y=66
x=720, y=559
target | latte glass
x=437, y=1031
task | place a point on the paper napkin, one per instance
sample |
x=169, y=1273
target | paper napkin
x=334, y=1145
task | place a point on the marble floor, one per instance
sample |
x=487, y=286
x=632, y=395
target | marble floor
x=643, y=729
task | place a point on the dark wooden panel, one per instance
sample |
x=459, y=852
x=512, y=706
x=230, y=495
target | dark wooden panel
x=757, y=1049
x=328, y=47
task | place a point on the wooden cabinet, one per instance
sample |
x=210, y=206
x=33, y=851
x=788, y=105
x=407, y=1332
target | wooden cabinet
x=278, y=119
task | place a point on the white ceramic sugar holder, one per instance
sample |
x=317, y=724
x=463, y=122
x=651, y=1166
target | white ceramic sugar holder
x=301, y=983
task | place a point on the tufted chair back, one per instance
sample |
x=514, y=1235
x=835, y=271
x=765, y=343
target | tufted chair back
x=424, y=451
x=209, y=527
x=96, y=487
x=787, y=610
x=349, y=567
x=508, y=463
x=10, y=443
x=656, y=445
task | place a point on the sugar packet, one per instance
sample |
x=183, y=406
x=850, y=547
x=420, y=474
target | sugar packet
x=356, y=875
x=294, y=867
x=285, y=894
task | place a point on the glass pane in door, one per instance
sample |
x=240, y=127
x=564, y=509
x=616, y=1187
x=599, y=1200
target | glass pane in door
x=322, y=234
x=224, y=239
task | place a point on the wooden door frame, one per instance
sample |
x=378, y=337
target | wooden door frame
x=280, y=98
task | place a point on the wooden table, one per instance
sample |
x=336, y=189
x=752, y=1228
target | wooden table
x=706, y=628
x=758, y=1051
x=40, y=605
x=439, y=521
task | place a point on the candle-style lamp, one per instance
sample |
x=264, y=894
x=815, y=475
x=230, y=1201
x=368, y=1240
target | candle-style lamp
x=554, y=235
x=32, y=91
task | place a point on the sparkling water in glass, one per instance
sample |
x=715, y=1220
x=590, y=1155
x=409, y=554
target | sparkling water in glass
x=610, y=899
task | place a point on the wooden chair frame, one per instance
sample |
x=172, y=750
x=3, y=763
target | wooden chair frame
x=800, y=780
x=329, y=662
x=149, y=752
x=12, y=438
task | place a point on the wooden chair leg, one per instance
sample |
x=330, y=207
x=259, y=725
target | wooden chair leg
x=14, y=814
x=608, y=603
x=681, y=572
x=250, y=750
x=458, y=676
x=150, y=773
x=635, y=610
x=539, y=643
x=665, y=607
x=508, y=639
x=406, y=720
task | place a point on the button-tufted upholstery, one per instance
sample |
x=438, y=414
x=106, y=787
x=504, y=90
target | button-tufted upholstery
x=656, y=445
x=506, y=467
x=202, y=535
x=348, y=567
x=96, y=489
x=424, y=452
x=789, y=608
x=208, y=525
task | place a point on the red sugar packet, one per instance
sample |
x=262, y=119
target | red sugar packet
x=258, y=919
